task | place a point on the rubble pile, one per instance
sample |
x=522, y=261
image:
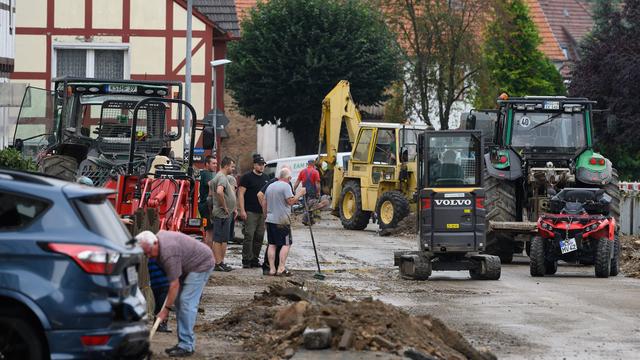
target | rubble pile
x=406, y=227
x=284, y=319
x=630, y=256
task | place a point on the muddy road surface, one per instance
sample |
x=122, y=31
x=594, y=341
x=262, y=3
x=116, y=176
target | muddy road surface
x=571, y=315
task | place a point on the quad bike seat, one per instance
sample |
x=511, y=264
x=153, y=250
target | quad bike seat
x=593, y=201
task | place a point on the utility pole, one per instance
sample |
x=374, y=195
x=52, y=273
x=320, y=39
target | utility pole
x=187, y=93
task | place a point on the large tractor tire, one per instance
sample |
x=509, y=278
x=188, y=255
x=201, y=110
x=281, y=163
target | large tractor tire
x=603, y=258
x=391, y=208
x=500, y=202
x=61, y=166
x=351, y=214
x=536, y=259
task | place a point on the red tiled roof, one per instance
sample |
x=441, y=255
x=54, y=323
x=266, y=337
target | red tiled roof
x=550, y=45
x=243, y=6
x=570, y=20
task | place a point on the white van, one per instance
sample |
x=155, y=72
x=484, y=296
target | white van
x=298, y=163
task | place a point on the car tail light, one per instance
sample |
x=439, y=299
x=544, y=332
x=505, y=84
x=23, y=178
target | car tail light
x=479, y=203
x=426, y=203
x=601, y=162
x=503, y=159
x=94, y=340
x=92, y=259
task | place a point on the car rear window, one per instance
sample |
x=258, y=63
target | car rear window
x=19, y=211
x=101, y=218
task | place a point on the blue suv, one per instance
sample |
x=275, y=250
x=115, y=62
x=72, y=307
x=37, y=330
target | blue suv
x=68, y=273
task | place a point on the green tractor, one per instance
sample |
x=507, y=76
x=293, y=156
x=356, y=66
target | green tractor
x=536, y=144
x=84, y=126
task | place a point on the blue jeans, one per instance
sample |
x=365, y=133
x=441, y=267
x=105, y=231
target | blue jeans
x=187, y=307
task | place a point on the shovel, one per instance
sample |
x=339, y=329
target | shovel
x=319, y=275
x=156, y=323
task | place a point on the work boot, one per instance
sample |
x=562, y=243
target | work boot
x=179, y=352
x=164, y=327
x=222, y=267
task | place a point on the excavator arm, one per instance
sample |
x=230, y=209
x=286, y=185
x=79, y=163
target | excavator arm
x=337, y=106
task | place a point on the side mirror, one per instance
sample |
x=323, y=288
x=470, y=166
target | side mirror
x=471, y=122
x=208, y=137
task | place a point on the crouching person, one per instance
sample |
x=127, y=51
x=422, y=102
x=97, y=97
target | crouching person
x=188, y=264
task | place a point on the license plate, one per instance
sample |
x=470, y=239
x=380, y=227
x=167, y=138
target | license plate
x=552, y=105
x=567, y=246
x=132, y=275
x=127, y=89
x=453, y=226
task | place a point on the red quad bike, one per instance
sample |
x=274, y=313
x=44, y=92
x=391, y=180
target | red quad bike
x=579, y=229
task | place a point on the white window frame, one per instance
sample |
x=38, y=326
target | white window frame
x=91, y=48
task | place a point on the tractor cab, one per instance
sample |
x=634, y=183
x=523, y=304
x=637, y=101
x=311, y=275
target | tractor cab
x=86, y=125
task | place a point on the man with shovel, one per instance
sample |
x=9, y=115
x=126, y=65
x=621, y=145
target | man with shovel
x=279, y=198
x=188, y=264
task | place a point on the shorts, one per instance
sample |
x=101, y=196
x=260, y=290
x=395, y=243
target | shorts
x=203, y=209
x=221, y=229
x=279, y=235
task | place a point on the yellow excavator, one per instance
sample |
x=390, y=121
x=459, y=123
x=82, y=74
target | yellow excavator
x=379, y=179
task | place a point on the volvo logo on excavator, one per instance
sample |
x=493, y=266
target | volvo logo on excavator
x=455, y=202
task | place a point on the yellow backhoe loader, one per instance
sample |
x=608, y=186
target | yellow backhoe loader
x=380, y=176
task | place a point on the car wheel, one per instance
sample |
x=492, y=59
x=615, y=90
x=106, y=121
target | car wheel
x=603, y=258
x=19, y=339
x=537, y=257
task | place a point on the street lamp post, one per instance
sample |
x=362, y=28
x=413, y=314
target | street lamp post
x=214, y=64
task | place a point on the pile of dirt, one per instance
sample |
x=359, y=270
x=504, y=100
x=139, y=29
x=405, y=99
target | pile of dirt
x=406, y=227
x=630, y=255
x=272, y=326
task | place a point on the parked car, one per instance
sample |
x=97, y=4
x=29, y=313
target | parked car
x=68, y=273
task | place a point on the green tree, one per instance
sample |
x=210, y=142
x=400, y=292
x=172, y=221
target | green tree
x=513, y=62
x=441, y=53
x=608, y=72
x=292, y=53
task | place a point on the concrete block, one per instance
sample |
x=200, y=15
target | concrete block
x=316, y=339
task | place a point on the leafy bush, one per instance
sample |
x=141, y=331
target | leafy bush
x=13, y=159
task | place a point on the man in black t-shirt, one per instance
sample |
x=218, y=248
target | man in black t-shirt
x=251, y=212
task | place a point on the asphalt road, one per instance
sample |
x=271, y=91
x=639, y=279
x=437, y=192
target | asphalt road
x=571, y=315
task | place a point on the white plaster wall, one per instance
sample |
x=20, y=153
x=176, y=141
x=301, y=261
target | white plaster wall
x=147, y=55
x=107, y=14
x=31, y=13
x=69, y=14
x=31, y=53
x=148, y=14
x=274, y=142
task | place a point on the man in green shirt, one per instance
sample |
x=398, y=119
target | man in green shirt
x=223, y=211
x=206, y=175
